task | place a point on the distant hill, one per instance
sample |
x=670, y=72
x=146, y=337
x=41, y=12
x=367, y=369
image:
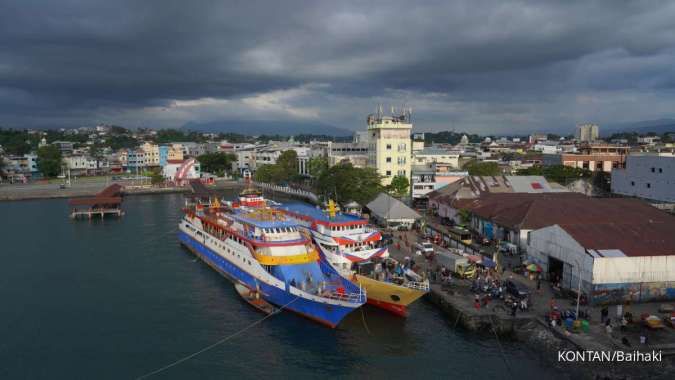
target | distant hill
x=658, y=126
x=255, y=128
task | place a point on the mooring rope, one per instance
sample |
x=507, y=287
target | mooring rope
x=501, y=349
x=221, y=341
x=363, y=318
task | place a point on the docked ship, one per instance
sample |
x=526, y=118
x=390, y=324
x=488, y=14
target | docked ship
x=259, y=248
x=356, y=250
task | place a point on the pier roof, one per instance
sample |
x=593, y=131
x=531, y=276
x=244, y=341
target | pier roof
x=113, y=201
x=114, y=190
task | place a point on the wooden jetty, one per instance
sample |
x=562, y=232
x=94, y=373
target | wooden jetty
x=106, y=202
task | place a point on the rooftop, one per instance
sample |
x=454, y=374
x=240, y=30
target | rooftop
x=263, y=219
x=627, y=224
x=318, y=214
x=631, y=239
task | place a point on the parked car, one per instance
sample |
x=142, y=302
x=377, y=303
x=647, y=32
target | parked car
x=517, y=289
x=425, y=247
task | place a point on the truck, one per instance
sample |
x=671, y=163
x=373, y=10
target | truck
x=450, y=259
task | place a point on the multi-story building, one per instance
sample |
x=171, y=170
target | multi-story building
x=597, y=157
x=587, y=132
x=85, y=165
x=163, y=152
x=136, y=159
x=25, y=165
x=390, y=145
x=431, y=155
x=151, y=154
x=648, y=176
x=175, y=153
x=417, y=142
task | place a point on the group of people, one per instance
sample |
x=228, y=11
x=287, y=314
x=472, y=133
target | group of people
x=390, y=270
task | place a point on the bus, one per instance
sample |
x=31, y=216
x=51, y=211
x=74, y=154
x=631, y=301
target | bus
x=460, y=234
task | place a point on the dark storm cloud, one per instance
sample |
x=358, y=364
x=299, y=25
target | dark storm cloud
x=489, y=66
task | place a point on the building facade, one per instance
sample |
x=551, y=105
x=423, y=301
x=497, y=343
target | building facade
x=650, y=177
x=587, y=132
x=390, y=145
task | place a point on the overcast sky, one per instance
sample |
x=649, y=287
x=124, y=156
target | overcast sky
x=478, y=66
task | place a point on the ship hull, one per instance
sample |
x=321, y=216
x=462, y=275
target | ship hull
x=390, y=297
x=327, y=314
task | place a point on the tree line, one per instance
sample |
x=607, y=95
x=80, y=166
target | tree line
x=342, y=182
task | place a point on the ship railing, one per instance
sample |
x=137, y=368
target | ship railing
x=423, y=286
x=359, y=297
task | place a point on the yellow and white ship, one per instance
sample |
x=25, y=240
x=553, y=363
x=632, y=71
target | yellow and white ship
x=355, y=250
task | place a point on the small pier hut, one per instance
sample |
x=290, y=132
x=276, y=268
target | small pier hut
x=106, y=202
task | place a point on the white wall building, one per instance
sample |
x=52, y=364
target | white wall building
x=432, y=155
x=648, y=176
x=612, y=268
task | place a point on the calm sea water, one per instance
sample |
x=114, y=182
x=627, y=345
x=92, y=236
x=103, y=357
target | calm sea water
x=116, y=299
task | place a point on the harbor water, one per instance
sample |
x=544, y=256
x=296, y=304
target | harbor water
x=119, y=298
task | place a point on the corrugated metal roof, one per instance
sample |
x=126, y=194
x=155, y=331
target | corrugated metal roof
x=640, y=238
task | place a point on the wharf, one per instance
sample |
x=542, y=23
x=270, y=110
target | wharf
x=106, y=202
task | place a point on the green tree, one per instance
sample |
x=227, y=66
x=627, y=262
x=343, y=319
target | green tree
x=17, y=142
x=317, y=165
x=156, y=177
x=269, y=174
x=49, y=160
x=483, y=168
x=344, y=183
x=464, y=216
x=285, y=170
x=399, y=186
x=217, y=163
x=288, y=162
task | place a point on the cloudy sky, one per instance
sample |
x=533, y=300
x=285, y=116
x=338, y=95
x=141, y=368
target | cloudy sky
x=478, y=66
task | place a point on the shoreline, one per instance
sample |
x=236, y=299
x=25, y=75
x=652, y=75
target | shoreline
x=37, y=192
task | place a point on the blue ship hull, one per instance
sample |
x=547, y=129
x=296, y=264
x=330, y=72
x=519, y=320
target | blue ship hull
x=326, y=314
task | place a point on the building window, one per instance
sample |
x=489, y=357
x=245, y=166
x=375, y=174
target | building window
x=632, y=183
x=388, y=159
x=388, y=146
x=649, y=185
x=388, y=173
x=660, y=170
x=653, y=170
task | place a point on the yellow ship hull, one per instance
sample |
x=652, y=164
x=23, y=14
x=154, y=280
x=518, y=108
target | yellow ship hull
x=388, y=296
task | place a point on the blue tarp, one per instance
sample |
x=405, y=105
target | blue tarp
x=488, y=263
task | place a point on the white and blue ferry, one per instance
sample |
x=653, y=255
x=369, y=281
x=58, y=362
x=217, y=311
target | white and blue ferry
x=262, y=249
